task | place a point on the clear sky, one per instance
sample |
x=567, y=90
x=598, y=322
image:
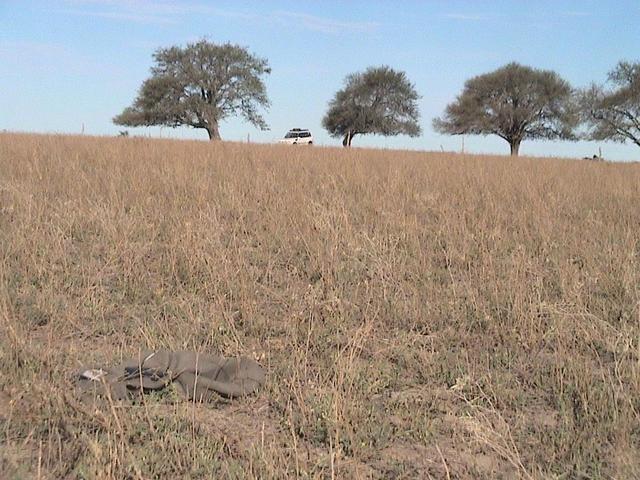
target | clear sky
x=72, y=62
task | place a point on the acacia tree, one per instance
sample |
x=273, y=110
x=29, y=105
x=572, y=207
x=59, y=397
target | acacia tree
x=199, y=86
x=380, y=100
x=515, y=102
x=614, y=113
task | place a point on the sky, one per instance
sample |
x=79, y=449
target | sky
x=70, y=65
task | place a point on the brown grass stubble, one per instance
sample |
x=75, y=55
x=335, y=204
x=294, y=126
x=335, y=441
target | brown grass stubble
x=420, y=314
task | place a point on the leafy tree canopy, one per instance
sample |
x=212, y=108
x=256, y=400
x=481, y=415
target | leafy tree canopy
x=199, y=86
x=515, y=102
x=380, y=100
x=614, y=113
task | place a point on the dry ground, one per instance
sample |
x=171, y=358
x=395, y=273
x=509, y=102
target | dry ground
x=420, y=315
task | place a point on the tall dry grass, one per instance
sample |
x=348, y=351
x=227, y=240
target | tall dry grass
x=420, y=315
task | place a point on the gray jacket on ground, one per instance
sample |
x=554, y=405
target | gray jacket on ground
x=198, y=376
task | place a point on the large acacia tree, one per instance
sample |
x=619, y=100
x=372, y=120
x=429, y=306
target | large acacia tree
x=614, y=113
x=516, y=103
x=199, y=86
x=379, y=100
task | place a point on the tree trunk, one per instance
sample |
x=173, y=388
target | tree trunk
x=515, y=146
x=213, y=131
x=346, y=141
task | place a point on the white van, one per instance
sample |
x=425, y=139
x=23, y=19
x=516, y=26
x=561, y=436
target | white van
x=298, y=136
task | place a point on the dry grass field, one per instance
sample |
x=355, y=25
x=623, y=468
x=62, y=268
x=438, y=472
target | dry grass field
x=420, y=315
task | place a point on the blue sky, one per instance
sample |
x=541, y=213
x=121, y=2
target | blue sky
x=73, y=62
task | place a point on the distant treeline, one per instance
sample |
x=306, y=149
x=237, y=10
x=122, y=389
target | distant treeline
x=203, y=83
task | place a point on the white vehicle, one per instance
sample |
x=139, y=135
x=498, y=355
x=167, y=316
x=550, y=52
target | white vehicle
x=298, y=136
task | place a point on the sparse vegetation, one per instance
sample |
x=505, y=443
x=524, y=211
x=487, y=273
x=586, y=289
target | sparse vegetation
x=420, y=315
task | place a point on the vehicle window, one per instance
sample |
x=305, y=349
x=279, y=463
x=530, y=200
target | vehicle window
x=305, y=134
x=291, y=135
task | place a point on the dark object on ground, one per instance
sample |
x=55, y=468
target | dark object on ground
x=594, y=158
x=199, y=376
